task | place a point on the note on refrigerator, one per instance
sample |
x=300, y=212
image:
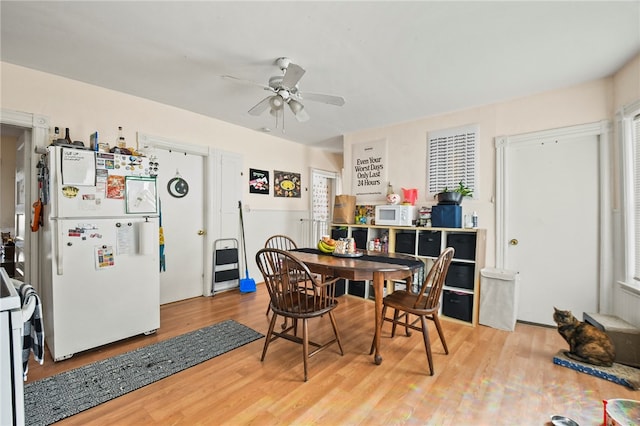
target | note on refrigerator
x=104, y=257
x=78, y=167
x=126, y=241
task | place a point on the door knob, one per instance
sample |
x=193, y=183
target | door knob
x=513, y=242
x=201, y=232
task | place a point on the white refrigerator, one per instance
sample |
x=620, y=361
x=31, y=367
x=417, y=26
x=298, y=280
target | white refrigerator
x=100, y=249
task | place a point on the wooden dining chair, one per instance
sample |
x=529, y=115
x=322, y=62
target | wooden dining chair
x=289, y=300
x=280, y=242
x=424, y=304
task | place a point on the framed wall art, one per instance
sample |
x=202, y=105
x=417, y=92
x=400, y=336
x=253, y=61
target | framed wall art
x=286, y=184
x=258, y=181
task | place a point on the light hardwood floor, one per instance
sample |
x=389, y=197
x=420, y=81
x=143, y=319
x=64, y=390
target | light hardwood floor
x=490, y=377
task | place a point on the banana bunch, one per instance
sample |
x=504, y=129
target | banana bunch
x=327, y=245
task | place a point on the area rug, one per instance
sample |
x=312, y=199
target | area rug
x=54, y=398
x=618, y=373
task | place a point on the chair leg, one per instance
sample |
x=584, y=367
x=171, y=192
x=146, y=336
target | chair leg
x=335, y=331
x=305, y=345
x=427, y=344
x=284, y=322
x=267, y=339
x=406, y=324
x=436, y=320
x=395, y=322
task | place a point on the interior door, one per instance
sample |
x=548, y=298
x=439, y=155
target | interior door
x=182, y=212
x=323, y=187
x=22, y=208
x=552, y=225
x=227, y=194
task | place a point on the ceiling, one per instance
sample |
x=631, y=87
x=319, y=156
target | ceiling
x=391, y=61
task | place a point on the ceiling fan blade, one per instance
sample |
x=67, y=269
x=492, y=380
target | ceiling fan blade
x=292, y=75
x=260, y=107
x=320, y=97
x=248, y=82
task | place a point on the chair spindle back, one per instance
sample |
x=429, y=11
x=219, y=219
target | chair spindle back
x=429, y=296
x=285, y=276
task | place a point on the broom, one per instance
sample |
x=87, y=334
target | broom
x=247, y=285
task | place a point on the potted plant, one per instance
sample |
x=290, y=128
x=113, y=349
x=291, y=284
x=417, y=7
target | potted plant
x=454, y=196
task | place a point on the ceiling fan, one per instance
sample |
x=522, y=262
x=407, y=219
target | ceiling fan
x=285, y=91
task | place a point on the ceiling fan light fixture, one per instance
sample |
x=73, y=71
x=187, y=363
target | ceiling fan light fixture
x=295, y=106
x=276, y=102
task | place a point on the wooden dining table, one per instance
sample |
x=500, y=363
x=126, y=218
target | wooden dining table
x=372, y=266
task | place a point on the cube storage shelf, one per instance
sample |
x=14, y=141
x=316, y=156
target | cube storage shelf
x=461, y=295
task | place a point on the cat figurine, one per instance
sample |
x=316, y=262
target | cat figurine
x=586, y=342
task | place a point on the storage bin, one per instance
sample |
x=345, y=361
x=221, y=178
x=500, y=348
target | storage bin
x=357, y=288
x=429, y=243
x=340, y=287
x=457, y=305
x=446, y=216
x=498, y=298
x=405, y=242
x=464, y=245
x=360, y=236
x=460, y=275
x=372, y=291
x=336, y=234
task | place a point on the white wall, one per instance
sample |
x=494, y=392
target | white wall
x=86, y=108
x=626, y=83
x=407, y=142
x=584, y=103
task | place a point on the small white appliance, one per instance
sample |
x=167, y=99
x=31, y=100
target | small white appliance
x=396, y=215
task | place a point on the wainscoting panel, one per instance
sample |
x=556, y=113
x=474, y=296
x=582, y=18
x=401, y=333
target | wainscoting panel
x=261, y=224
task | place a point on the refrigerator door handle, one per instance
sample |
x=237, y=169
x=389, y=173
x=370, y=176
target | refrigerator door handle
x=58, y=253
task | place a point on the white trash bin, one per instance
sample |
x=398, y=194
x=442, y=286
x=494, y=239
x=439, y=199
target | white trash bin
x=498, y=298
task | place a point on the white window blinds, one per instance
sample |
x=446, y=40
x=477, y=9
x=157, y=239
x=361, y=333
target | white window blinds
x=452, y=158
x=636, y=194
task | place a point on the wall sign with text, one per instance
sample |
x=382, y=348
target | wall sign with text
x=369, y=170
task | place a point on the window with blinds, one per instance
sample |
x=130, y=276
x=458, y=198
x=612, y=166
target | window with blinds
x=636, y=194
x=452, y=158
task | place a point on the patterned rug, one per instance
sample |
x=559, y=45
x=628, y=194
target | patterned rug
x=618, y=373
x=54, y=398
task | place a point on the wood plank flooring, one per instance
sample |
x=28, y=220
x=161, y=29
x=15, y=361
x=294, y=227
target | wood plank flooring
x=490, y=377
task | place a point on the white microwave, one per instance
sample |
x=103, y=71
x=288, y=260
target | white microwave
x=396, y=215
